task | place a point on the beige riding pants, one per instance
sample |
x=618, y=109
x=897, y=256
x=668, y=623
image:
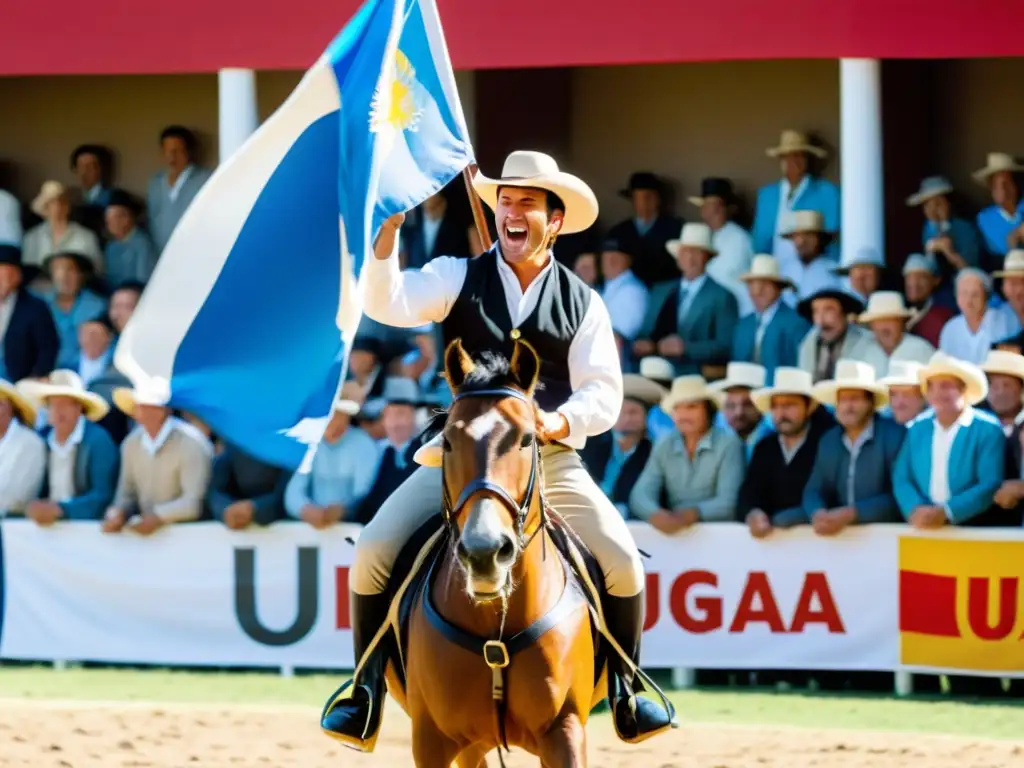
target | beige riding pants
x=570, y=490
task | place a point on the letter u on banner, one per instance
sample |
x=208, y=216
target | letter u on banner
x=306, y=598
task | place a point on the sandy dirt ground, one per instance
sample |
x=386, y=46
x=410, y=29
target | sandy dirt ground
x=81, y=735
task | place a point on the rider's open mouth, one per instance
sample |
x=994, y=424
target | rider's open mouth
x=516, y=234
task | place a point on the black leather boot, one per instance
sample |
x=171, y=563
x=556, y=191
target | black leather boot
x=636, y=718
x=355, y=719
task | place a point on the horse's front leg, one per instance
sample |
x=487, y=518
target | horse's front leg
x=565, y=744
x=430, y=747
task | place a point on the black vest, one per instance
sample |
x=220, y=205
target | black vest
x=480, y=318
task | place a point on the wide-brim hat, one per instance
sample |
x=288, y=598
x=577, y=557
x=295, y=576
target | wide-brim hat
x=155, y=391
x=933, y=186
x=400, y=390
x=851, y=374
x=765, y=267
x=50, y=191
x=21, y=404
x=806, y=221
x=864, y=257
x=919, y=262
x=10, y=255
x=643, y=180
x=851, y=304
x=1005, y=363
x=535, y=170
x=65, y=383
x=997, y=162
x=788, y=381
x=714, y=187
x=738, y=375
x=85, y=265
x=1013, y=264
x=973, y=378
x=658, y=370
x=686, y=389
x=885, y=304
x=693, y=236
x=902, y=373
x=795, y=141
x=637, y=387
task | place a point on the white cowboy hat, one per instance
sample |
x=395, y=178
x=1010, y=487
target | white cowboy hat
x=64, y=383
x=154, y=391
x=21, y=404
x=931, y=187
x=686, y=389
x=765, y=267
x=794, y=141
x=867, y=256
x=972, y=376
x=805, y=221
x=884, y=304
x=49, y=192
x=738, y=375
x=919, y=262
x=788, y=381
x=1005, y=363
x=539, y=171
x=1013, y=264
x=996, y=162
x=637, y=387
x=692, y=236
x=902, y=373
x=657, y=369
x=851, y=374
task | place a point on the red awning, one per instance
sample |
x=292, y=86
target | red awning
x=156, y=36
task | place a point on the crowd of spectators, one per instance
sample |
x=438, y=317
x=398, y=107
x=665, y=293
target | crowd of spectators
x=767, y=381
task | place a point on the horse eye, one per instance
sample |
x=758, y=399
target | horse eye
x=527, y=440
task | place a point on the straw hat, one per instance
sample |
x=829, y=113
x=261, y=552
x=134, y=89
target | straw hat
x=154, y=391
x=919, y=262
x=851, y=374
x=657, y=369
x=902, y=373
x=21, y=404
x=1005, y=363
x=64, y=383
x=539, y=171
x=788, y=381
x=765, y=267
x=972, y=376
x=686, y=389
x=1013, y=264
x=794, y=141
x=884, y=304
x=933, y=186
x=738, y=375
x=997, y=162
x=637, y=387
x=864, y=257
x=692, y=236
x=350, y=399
x=805, y=221
x=50, y=191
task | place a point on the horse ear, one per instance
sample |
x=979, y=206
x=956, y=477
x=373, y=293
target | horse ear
x=457, y=364
x=525, y=365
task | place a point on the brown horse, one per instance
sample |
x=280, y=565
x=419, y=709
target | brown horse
x=500, y=650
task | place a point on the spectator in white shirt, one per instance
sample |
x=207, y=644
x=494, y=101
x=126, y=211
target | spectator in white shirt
x=10, y=219
x=811, y=272
x=57, y=233
x=971, y=334
x=886, y=315
x=1012, y=275
x=735, y=248
x=862, y=273
x=623, y=293
x=22, y=451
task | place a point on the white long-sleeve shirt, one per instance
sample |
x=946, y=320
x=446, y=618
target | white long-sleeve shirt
x=625, y=298
x=414, y=297
x=22, y=467
x=735, y=252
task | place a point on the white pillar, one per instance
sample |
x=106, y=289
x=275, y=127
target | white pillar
x=238, y=115
x=860, y=148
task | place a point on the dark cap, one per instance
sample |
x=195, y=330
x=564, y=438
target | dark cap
x=851, y=304
x=717, y=187
x=126, y=200
x=11, y=255
x=643, y=180
x=84, y=263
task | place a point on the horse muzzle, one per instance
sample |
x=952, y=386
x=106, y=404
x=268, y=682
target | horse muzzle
x=488, y=561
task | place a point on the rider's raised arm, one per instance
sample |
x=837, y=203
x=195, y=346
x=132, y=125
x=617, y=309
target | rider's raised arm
x=406, y=299
x=595, y=374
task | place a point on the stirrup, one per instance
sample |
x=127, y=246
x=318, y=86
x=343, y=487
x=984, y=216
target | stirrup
x=368, y=739
x=638, y=703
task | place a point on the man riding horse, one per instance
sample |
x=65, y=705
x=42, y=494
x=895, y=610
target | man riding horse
x=515, y=290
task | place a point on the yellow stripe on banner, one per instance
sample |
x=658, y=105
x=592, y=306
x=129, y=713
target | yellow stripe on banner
x=962, y=557
x=966, y=653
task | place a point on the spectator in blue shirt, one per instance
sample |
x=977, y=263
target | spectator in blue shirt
x=1002, y=223
x=70, y=303
x=951, y=240
x=130, y=254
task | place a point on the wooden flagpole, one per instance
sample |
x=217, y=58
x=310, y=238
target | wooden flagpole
x=479, y=217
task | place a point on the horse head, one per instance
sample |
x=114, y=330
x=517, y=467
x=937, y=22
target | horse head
x=490, y=463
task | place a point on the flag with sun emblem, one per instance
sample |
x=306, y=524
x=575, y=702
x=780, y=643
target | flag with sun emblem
x=252, y=308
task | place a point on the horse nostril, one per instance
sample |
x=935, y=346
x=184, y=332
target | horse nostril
x=507, y=551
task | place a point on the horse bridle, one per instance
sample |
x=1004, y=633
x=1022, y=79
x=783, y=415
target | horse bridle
x=520, y=509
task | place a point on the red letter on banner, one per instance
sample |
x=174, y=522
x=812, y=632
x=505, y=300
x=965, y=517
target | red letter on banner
x=341, y=620
x=816, y=584
x=757, y=587
x=978, y=608
x=711, y=606
x=653, y=611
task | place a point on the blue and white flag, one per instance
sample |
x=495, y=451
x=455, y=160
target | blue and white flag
x=252, y=308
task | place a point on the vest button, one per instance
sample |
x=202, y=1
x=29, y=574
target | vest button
x=515, y=334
